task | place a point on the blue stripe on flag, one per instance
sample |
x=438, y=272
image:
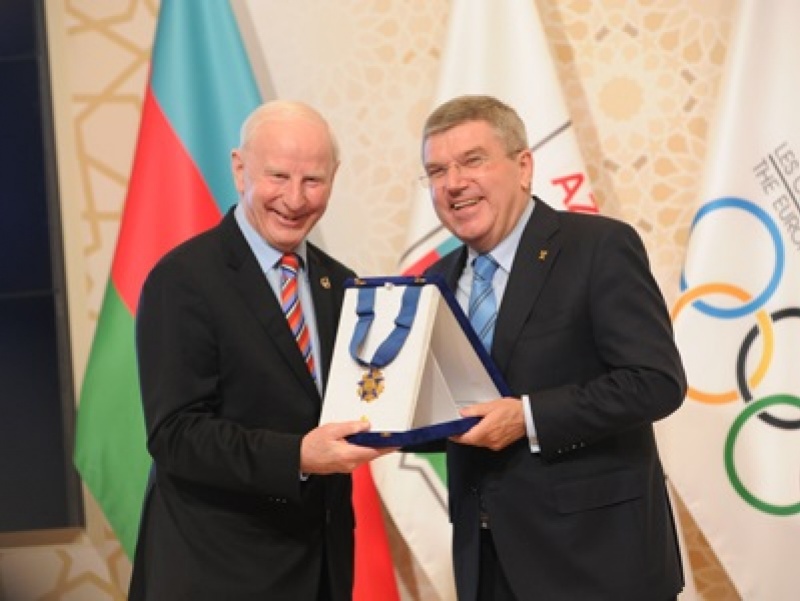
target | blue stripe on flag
x=206, y=105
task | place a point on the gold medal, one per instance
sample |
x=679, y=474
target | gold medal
x=371, y=385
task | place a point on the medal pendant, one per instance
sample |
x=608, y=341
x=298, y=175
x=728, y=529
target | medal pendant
x=371, y=385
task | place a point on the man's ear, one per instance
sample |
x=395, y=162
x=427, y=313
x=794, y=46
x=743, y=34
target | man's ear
x=525, y=162
x=237, y=169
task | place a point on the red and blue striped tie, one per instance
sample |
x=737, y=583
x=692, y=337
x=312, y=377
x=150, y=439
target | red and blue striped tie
x=290, y=301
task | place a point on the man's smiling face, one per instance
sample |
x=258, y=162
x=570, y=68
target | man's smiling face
x=479, y=191
x=284, y=176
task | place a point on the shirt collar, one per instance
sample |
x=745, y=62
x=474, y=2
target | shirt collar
x=266, y=255
x=504, y=252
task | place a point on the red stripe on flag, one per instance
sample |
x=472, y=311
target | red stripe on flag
x=374, y=573
x=422, y=263
x=167, y=202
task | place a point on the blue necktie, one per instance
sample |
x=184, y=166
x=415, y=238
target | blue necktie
x=482, y=303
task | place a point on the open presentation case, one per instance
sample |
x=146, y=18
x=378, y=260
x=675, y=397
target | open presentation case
x=406, y=359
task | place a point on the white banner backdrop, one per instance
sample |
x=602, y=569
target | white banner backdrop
x=733, y=449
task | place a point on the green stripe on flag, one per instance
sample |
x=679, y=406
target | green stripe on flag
x=110, y=437
x=438, y=461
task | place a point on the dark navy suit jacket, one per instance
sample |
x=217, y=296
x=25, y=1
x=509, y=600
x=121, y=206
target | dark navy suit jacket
x=582, y=329
x=227, y=399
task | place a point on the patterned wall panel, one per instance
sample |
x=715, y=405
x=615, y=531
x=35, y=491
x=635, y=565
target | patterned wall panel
x=640, y=80
x=370, y=67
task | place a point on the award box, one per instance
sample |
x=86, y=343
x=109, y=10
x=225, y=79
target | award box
x=439, y=367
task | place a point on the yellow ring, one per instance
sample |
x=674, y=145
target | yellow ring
x=764, y=324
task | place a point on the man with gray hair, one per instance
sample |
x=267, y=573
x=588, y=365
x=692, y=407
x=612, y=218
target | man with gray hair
x=558, y=492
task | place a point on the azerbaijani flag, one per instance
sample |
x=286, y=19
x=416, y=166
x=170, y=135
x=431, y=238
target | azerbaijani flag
x=200, y=90
x=497, y=48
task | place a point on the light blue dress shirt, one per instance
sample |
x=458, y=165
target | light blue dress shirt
x=504, y=254
x=269, y=258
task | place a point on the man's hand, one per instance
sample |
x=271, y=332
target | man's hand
x=502, y=423
x=324, y=450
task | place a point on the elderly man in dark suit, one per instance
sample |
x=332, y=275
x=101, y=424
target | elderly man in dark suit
x=558, y=493
x=249, y=500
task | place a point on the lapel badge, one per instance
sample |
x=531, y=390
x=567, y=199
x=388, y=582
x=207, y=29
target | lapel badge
x=325, y=282
x=542, y=255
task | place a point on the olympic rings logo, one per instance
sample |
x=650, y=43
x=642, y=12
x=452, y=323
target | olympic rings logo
x=747, y=305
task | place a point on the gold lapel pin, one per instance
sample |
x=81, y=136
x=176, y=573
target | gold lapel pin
x=542, y=255
x=326, y=283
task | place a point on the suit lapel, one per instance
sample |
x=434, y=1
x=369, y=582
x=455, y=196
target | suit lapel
x=325, y=306
x=256, y=293
x=451, y=267
x=535, y=256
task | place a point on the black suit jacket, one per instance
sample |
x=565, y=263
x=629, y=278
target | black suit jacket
x=227, y=399
x=583, y=330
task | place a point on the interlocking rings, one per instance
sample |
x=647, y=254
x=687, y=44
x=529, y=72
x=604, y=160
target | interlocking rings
x=749, y=305
x=740, y=378
x=691, y=296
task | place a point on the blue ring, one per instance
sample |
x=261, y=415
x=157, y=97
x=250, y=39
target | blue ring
x=761, y=299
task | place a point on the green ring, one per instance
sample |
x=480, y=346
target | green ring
x=730, y=441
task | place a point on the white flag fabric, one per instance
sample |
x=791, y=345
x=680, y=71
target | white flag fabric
x=733, y=449
x=496, y=48
x=499, y=48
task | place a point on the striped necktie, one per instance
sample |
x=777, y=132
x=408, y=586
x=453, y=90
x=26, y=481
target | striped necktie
x=290, y=302
x=482, y=302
